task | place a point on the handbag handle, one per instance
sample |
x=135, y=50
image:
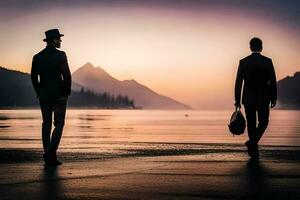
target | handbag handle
x=237, y=108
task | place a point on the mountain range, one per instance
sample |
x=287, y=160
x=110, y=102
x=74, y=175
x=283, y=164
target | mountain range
x=17, y=91
x=93, y=87
x=99, y=81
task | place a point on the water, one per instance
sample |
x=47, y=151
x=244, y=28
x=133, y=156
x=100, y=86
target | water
x=114, y=130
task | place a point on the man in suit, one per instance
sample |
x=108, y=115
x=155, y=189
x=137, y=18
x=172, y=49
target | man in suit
x=256, y=76
x=51, y=79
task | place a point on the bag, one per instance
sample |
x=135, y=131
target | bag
x=237, y=122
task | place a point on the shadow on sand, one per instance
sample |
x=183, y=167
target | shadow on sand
x=51, y=187
x=256, y=177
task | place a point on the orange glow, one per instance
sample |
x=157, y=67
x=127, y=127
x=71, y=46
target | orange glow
x=189, y=55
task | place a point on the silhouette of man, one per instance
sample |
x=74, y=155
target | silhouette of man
x=259, y=93
x=51, y=79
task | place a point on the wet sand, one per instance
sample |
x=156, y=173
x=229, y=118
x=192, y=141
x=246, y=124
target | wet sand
x=214, y=173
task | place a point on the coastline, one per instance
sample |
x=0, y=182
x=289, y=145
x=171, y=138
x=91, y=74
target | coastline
x=153, y=174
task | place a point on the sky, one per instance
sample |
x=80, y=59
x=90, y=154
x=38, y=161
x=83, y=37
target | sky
x=186, y=49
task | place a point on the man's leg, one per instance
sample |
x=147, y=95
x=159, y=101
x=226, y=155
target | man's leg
x=251, y=144
x=250, y=111
x=59, y=121
x=263, y=112
x=46, y=109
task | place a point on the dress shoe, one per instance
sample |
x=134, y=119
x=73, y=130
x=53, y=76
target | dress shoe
x=252, y=149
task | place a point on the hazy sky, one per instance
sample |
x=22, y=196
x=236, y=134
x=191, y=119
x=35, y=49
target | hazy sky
x=188, y=50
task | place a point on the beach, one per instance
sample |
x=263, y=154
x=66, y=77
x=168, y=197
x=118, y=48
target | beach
x=139, y=100
x=115, y=154
x=218, y=172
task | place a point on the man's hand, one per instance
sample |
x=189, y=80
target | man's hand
x=237, y=105
x=273, y=103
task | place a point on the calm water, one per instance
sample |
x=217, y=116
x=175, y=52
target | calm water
x=96, y=130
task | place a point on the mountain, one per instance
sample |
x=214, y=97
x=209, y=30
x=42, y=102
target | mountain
x=77, y=87
x=17, y=91
x=289, y=92
x=98, y=80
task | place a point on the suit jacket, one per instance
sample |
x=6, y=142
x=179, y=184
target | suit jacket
x=50, y=74
x=257, y=73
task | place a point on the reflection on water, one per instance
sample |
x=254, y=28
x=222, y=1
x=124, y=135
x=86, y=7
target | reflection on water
x=91, y=129
x=3, y=117
x=4, y=126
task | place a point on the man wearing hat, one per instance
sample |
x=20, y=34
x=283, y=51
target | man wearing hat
x=51, y=79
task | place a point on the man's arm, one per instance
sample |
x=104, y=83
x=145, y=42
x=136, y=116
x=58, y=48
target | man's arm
x=238, y=86
x=35, y=77
x=65, y=71
x=273, y=85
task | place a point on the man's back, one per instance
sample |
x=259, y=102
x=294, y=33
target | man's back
x=54, y=75
x=51, y=79
x=258, y=74
x=259, y=93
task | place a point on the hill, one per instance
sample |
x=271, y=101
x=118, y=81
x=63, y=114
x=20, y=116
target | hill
x=17, y=91
x=289, y=92
x=98, y=80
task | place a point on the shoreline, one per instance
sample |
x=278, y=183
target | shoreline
x=213, y=175
x=135, y=149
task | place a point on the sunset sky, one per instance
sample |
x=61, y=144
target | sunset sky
x=188, y=50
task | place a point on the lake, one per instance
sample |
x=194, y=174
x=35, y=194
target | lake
x=114, y=130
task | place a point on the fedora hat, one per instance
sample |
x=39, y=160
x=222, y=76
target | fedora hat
x=52, y=33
